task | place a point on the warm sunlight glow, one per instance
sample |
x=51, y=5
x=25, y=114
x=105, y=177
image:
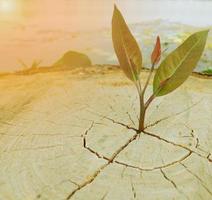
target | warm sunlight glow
x=7, y=5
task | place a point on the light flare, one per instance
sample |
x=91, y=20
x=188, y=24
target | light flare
x=7, y=6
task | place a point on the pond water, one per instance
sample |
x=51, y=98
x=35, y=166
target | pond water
x=44, y=30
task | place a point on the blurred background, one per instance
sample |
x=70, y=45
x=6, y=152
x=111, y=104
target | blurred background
x=45, y=29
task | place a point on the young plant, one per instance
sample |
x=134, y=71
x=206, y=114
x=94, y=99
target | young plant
x=171, y=73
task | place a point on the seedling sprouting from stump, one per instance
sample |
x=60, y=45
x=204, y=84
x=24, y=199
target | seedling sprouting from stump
x=172, y=71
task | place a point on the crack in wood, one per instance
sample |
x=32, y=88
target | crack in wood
x=169, y=116
x=177, y=145
x=168, y=179
x=173, y=183
x=129, y=141
x=197, y=177
x=101, y=168
x=114, y=121
x=154, y=168
x=127, y=165
x=104, y=196
x=133, y=189
x=87, y=182
x=130, y=118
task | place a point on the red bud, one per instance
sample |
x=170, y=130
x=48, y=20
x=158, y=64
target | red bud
x=156, y=54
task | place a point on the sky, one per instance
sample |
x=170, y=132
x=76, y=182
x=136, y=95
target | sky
x=30, y=29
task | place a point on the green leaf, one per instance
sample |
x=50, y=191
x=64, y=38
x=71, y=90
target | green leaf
x=126, y=47
x=179, y=64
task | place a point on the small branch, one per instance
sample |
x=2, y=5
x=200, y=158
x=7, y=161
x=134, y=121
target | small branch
x=151, y=98
x=143, y=106
x=148, y=79
x=138, y=86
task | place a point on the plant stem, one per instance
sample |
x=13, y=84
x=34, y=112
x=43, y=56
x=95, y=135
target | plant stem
x=142, y=109
x=143, y=106
x=142, y=113
x=151, y=98
x=148, y=79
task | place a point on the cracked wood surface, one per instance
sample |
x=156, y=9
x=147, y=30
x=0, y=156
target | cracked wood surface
x=73, y=135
